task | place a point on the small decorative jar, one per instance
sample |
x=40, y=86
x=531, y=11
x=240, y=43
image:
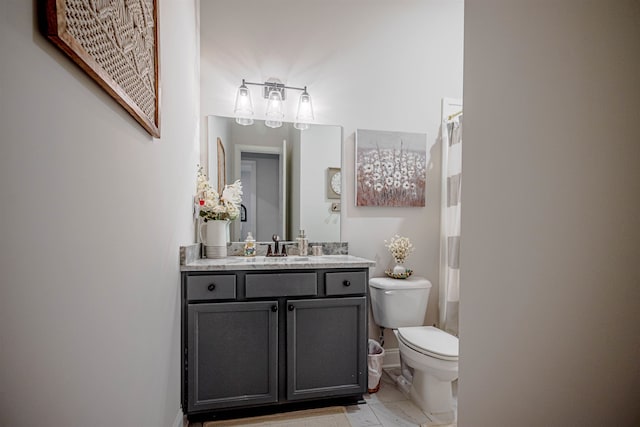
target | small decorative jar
x=399, y=269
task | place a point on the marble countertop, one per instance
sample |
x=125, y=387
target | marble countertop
x=276, y=263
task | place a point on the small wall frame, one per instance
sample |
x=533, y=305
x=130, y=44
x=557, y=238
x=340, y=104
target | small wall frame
x=116, y=43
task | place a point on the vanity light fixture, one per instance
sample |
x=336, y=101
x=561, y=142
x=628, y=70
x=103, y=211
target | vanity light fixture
x=275, y=93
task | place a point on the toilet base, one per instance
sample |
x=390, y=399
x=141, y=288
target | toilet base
x=433, y=396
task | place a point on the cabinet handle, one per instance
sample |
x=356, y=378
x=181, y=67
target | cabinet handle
x=346, y=283
x=211, y=287
x=274, y=308
x=291, y=307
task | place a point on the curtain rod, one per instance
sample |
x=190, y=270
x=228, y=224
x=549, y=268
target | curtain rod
x=451, y=116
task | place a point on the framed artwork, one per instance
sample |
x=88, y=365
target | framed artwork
x=222, y=167
x=116, y=43
x=390, y=168
x=334, y=183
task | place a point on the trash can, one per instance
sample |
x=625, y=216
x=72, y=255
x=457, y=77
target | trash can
x=375, y=355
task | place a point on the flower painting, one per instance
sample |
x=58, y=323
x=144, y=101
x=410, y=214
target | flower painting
x=390, y=168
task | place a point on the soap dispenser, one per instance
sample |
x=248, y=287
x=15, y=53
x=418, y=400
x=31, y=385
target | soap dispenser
x=249, y=245
x=303, y=243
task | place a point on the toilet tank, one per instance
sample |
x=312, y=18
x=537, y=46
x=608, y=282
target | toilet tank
x=398, y=303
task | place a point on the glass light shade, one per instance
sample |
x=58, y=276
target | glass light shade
x=244, y=107
x=305, y=112
x=274, y=112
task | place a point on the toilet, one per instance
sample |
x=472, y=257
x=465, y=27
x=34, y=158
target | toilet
x=401, y=304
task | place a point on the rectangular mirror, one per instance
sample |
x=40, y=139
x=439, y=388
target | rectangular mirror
x=288, y=177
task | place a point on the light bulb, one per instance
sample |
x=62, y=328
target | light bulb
x=244, y=107
x=305, y=111
x=274, y=112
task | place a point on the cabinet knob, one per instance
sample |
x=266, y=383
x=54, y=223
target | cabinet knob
x=346, y=283
x=274, y=308
x=291, y=307
x=211, y=287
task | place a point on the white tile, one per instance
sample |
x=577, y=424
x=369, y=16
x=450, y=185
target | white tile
x=399, y=414
x=361, y=416
x=389, y=393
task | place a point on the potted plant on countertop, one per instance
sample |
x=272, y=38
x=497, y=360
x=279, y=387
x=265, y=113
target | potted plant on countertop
x=216, y=210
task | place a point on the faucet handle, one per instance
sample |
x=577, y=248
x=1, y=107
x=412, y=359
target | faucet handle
x=292, y=244
x=268, y=245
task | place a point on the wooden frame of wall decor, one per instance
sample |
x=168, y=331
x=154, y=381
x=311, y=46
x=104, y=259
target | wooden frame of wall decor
x=222, y=166
x=116, y=43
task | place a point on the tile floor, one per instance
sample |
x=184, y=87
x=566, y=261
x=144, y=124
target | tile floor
x=389, y=407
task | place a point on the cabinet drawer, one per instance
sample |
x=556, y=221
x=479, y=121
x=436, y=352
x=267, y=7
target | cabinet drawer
x=352, y=282
x=280, y=285
x=211, y=287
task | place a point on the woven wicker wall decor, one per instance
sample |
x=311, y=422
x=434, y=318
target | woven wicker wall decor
x=116, y=43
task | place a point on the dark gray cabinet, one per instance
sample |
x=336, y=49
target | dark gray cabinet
x=326, y=348
x=272, y=337
x=232, y=354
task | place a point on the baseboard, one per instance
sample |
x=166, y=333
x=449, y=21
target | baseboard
x=391, y=358
x=180, y=421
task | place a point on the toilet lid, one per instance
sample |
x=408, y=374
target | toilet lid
x=430, y=341
x=388, y=283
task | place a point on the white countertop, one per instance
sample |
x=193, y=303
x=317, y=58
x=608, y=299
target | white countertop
x=277, y=263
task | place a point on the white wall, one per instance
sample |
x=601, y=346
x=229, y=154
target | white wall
x=92, y=213
x=368, y=64
x=320, y=149
x=550, y=292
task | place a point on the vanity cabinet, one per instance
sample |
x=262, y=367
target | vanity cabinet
x=273, y=337
x=232, y=354
x=326, y=351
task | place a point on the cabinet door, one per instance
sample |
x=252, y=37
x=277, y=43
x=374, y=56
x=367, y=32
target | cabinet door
x=232, y=354
x=326, y=347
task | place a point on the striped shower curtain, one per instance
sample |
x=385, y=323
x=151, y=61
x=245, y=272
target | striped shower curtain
x=450, y=224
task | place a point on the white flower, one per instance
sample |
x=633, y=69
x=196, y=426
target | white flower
x=400, y=248
x=233, y=193
x=212, y=206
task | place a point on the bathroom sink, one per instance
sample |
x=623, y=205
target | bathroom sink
x=274, y=259
x=334, y=257
x=294, y=258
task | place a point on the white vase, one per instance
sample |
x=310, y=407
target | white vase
x=214, y=238
x=399, y=269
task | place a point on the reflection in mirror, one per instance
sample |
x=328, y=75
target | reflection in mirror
x=284, y=174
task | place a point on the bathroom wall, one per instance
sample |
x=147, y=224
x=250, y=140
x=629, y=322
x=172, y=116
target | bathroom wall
x=92, y=213
x=550, y=293
x=368, y=64
x=319, y=150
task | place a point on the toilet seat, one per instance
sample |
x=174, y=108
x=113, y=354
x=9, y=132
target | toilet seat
x=430, y=341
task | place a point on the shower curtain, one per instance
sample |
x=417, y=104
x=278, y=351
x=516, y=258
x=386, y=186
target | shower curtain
x=451, y=132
